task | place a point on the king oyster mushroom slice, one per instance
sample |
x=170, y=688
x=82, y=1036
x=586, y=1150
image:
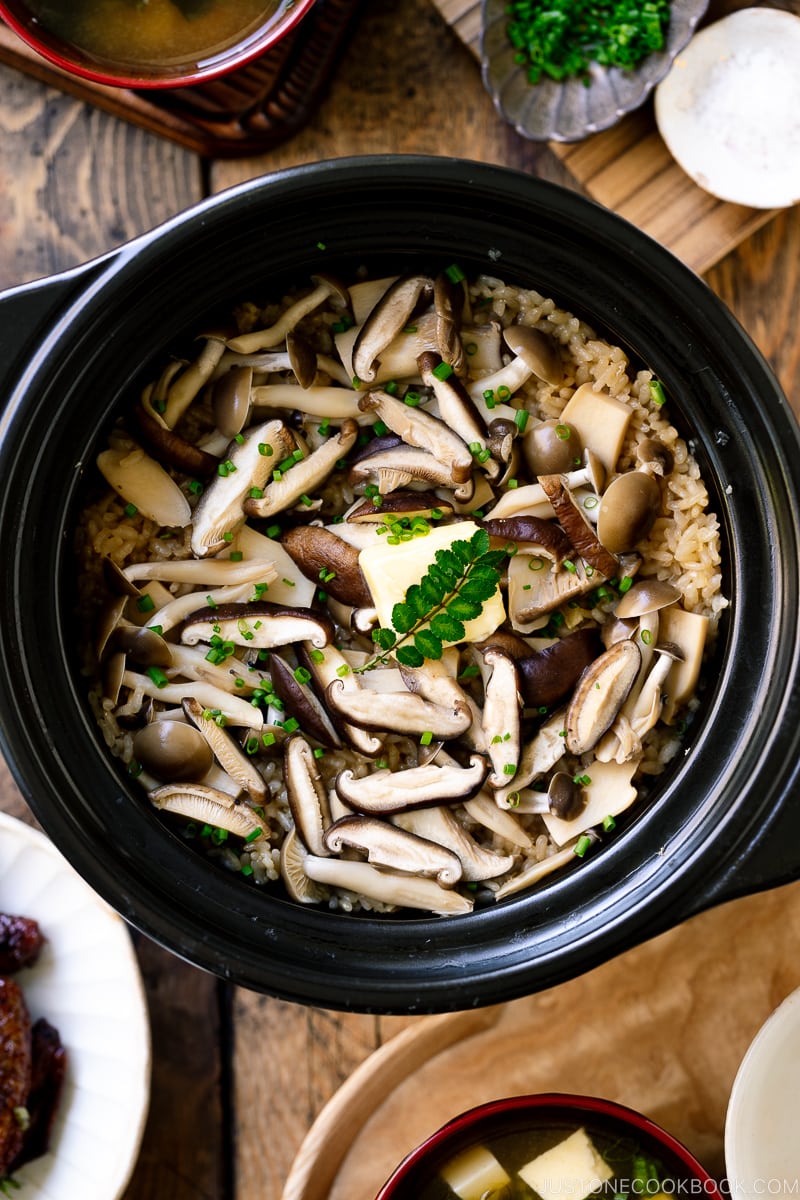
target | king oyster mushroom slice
x=209, y=805
x=307, y=795
x=628, y=509
x=226, y=751
x=306, y=475
x=502, y=711
x=387, y=846
x=258, y=625
x=325, y=288
x=419, y=428
x=388, y=887
x=143, y=482
x=440, y=826
x=536, y=871
x=319, y=553
x=578, y=529
x=248, y=464
x=398, y=466
x=386, y=791
x=409, y=713
x=386, y=320
x=484, y=810
x=600, y=420
x=600, y=694
x=172, y=751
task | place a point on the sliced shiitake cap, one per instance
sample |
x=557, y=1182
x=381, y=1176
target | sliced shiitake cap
x=566, y=797
x=456, y=406
x=421, y=429
x=208, y=805
x=502, y=710
x=308, y=798
x=552, y=447
x=396, y=888
x=547, y=676
x=537, y=350
x=628, y=509
x=143, y=482
x=401, y=504
x=448, y=304
x=387, y=318
x=326, y=665
x=646, y=596
x=330, y=561
x=399, y=465
x=226, y=751
x=407, y=712
x=600, y=694
x=300, y=701
x=143, y=646
x=326, y=287
x=653, y=456
x=387, y=846
x=293, y=858
x=169, y=448
x=387, y=791
x=172, y=751
x=438, y=825
x=304, y=476
x=257, y=624
x=579, y=531
x=524, y=530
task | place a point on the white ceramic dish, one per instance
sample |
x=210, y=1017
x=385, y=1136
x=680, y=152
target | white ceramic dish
x=729, y=109
x=762, y=1142
x=87, y=984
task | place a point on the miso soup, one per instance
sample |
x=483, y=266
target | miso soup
x=152, y=32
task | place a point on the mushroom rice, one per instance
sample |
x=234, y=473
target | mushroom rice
x=397, y=594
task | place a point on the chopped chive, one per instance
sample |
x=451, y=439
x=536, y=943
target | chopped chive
x=145, y=603
x=657, y=394
x=157, y=676
x=302, y=675
x=130, y=510
x=582, y=845
x=426, y=738
x=443, y=371
x=521, y=419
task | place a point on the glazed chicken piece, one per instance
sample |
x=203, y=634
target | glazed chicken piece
x=16, y=1057
x=20, y=943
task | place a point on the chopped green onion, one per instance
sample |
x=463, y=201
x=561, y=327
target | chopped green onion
x=583, y=845
x=426, y=738
x=609, y=823
x=443, y=371
x=454, y=273
x=145, y=603
x=157, y=676
x=130, y=510
x=521, y=419
x=657, y=394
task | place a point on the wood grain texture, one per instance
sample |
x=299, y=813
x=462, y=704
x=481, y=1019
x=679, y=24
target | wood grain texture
x=628, y=168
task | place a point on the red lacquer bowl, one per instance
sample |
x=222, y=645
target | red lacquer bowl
x=603, y=1120
x=194, y=69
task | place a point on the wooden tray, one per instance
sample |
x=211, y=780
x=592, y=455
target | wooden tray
x=629, y=169
x=245, y=112
x=662, y=1029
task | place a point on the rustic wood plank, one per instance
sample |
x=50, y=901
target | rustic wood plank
x=628, y=168
x=74, y=182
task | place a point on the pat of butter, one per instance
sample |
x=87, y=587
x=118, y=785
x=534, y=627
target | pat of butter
x=391, y=569
x=571, y=1170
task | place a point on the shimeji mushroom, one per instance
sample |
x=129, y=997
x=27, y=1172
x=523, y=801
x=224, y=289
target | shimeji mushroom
x=231, y=400
x=534, y=355
x=249, y=461
x=295, y=483
x=144, y=483
x=551, y=447
x=386, y=845
x=210, y=571
x=172, y=751
x=188, y=384
x=609, y=791
x=409, y=713
x=438, y=825
x=628, y=509
x=532, y=499
x=325, y=288
x=388, y=887
x=419, y=428
x=322, y=401
x=449, y=298
x=222, y=704
x=385, y=791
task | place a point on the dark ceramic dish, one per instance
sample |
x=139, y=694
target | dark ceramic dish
x=721, y=821
x=517, y=1115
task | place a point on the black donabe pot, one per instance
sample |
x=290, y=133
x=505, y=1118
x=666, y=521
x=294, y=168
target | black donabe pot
x=722, y=821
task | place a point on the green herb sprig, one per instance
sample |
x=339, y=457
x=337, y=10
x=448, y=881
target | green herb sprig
x=453, y=590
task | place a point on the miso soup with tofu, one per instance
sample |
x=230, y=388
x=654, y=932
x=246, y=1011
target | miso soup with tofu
x=549, y=1163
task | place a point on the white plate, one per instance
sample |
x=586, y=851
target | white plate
x=762, y=1136
x=729, y=109
x=87, y=984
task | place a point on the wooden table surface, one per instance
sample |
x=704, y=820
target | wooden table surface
x=238, y=1077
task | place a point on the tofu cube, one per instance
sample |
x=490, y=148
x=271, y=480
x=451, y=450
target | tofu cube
x=474, y=1173
x=571, y=1170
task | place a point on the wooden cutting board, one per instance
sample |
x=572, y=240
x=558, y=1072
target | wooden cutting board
x=629, y=169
